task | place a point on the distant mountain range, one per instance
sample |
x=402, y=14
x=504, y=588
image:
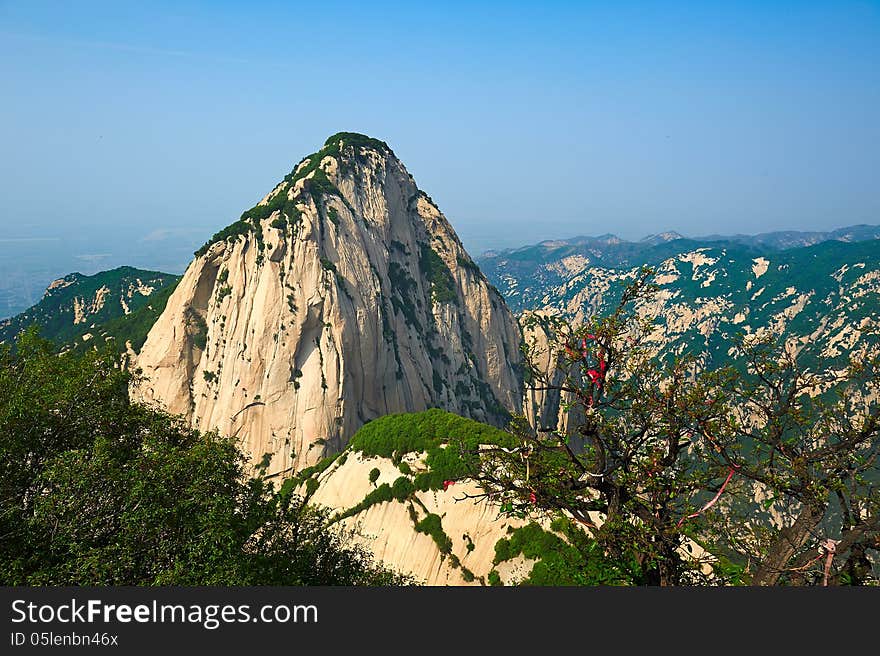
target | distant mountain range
x=79, y=310
x=528, y=276
x=786, y=239
x=778, y=240
x=823, y=298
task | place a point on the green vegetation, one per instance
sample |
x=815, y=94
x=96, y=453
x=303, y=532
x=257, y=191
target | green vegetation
x=355, y=140
x=96, y=490
x=133, y=328
x=399, y=246
x=229, y=233
x=443, y=289
x=381, y=494
x=466, y=263
x=432, y=525
x=312, y=486
x=223, y=291
x=198, y=328
x=309, y=472
x=402, y=488
x=250, y=220
x=374, y=475
x=437, y=381
x=559, y=562
x=451, y=443
x=319, y=184
x=286, y=207
x=54, y=314
x=403, y=294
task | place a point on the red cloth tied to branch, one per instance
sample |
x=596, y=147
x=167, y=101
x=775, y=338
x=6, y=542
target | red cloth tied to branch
x=712, y=502
x=593, y=361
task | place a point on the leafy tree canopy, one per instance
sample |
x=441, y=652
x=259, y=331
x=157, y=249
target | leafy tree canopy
x=96, y=490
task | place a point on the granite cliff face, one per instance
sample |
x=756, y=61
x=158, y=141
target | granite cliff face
x=342, y=296
x=460, y=548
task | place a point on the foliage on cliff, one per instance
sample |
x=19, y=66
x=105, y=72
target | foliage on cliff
x=451, y=443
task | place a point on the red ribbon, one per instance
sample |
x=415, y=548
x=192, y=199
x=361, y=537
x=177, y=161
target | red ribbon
x=711, y=503
x=596, y=376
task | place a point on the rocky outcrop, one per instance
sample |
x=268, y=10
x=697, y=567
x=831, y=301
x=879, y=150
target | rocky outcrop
x=342, y=296
x=469, y=528
x=543, y=408
x=403, y=488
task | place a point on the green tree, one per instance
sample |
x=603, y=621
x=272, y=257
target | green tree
x=620, y=462
x=96, y=490
x=805, y=440
x=763, y=471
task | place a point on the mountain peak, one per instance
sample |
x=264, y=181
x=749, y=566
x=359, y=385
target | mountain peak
x=662, y=237
x=72, y=307
x=343, y=295
x=357, y=140
x=314, y=175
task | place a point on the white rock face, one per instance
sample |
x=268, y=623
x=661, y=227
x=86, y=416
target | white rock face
x=542, y=408
x=387, y=529
x=290, y=337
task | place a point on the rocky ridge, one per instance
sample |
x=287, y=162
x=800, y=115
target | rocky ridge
x=79, y=311
x=823, y=300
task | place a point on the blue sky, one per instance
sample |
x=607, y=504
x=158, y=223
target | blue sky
x=158, y=123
